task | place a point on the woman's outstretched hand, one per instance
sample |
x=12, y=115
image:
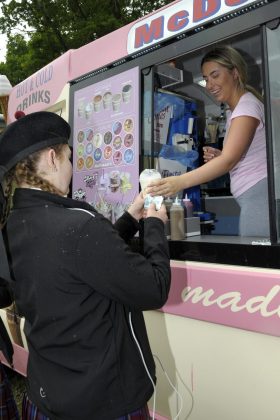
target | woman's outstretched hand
x=166, y=186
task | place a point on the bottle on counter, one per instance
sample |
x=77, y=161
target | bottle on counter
x=188, y=206
x=177, y=221
x=168, y=204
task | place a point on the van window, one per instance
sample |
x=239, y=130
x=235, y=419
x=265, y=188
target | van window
x=185, y=114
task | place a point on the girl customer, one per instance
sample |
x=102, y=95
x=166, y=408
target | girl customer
x=77, y=283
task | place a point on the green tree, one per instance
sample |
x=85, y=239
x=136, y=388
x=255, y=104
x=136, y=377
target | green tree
x=51, y=27
x=15, y=66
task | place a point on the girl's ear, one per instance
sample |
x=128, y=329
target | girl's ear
x=51, y=159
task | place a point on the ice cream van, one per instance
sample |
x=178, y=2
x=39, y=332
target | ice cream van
x=216, y=342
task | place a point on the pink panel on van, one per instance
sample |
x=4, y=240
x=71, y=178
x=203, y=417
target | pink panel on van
x=237, y=297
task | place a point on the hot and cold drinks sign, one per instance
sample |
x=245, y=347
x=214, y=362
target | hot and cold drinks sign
x=106, y=144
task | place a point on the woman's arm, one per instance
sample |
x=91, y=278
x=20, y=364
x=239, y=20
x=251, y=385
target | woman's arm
x=239, y=138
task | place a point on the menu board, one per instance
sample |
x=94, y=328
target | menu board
x=106, y=143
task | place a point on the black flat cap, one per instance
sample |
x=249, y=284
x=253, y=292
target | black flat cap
x=30, y=134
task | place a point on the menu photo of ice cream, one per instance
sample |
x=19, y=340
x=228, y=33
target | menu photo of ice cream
x=112, y=182
x=106, y=143
x=99, y=187
x=105, y=101
x=112, y=211
x=105, y=147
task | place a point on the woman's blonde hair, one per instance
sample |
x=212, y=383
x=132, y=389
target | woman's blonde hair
x=25, y=171
x=231, y=59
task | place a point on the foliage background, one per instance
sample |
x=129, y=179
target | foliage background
x=39, y=31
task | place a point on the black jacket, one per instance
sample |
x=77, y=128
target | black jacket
x=76, y=281
x=6, y=299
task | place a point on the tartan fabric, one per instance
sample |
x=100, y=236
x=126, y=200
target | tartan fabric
x=142, y=414
x=8, y=407
x=31, y=412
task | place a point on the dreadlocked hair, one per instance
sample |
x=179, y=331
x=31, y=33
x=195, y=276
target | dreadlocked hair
x=25, y=172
